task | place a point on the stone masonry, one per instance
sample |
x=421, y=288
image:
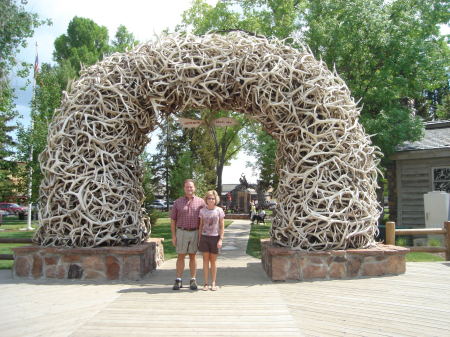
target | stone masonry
x=282, y=264
x=100, y=263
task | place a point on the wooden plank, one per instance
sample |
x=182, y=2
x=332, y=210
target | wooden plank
x=415, y=182
x=416, y=191
x=420, y=231
x=425, y=249
x=411, y=211
x=412, y=220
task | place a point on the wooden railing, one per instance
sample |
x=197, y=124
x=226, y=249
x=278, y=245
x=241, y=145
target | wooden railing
x=12, y=240
x=391, y=232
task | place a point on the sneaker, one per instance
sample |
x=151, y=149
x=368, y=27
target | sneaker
x=193, y=284
x=177, y=285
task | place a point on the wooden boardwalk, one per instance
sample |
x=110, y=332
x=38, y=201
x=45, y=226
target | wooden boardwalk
x=414, y=304
x=247, y=303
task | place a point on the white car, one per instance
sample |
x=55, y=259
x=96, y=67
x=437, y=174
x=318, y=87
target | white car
x=158, y=204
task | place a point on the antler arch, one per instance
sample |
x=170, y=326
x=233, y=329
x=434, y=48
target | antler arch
x=91, y=193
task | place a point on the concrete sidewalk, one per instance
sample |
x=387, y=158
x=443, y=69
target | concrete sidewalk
x=247, y=303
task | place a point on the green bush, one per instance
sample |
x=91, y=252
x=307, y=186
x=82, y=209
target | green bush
x=404, y=241
x=434, y=243
x=155, y=215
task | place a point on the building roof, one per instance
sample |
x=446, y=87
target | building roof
x=437, y=136
x=228, y=187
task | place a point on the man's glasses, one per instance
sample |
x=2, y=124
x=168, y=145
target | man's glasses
x=210, y=198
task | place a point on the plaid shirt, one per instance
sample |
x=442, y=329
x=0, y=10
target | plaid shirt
x=186, y=212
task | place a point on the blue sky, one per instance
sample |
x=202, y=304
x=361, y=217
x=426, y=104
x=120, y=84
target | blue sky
x=144, y=19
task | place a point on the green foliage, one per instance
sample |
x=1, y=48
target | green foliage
x=147, y=179
x=17, y=25
x=47, y=96
x=182, y=170
x=172, y=142
x=443, y=109
x=214, y=147
x=389, y=53
x=154, y=215
x=84, y=44
x=270, y=18
x=392, y=128
x=403, y=241
x=7, y=166
x=124, y=40
x=263, y=146
x=434, y=243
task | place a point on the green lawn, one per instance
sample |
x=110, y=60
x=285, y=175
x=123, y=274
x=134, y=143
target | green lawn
x=259, y=232
x=12, y=222
x=5, y=248
x=423, y=257
x=162, y=230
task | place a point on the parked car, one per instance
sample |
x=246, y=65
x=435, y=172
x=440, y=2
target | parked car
x=270, y=204
x=12, y=208
x=158, y=204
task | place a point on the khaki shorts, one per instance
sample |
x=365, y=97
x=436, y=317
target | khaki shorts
x=187, y=241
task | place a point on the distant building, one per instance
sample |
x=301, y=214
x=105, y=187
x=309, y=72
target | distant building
x=419, y=167
x=241, y=196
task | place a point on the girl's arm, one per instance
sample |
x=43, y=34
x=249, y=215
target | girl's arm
x=200, y=229
x=221, y=232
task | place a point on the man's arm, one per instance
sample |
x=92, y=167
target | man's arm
x=174, y=232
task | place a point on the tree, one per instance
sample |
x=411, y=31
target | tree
x=172, y=143
x=7, y=166
x=16, y=26
x=149, y=191
x=443, y=109
x=262, y=146
x=216, y=146
x=47, y=96
x=84, y=44
x=389, y=53
x=124, y=40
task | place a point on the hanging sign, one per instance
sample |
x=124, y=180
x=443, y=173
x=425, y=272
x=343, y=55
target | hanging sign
x=224, y=121
x=190, y=123
x=195, y=123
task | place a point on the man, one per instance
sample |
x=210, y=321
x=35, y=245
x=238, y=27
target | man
x=184, y=226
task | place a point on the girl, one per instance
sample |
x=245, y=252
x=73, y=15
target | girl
x=210, y=236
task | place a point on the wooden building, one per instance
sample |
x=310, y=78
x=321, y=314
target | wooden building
x=419, y=167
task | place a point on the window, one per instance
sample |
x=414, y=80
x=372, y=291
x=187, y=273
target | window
x=441, y=179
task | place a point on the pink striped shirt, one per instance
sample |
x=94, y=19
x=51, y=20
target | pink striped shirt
x=185, y=212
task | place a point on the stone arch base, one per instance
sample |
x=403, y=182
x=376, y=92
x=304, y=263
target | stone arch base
x=91, y=193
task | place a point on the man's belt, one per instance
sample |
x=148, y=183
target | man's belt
x=188, y=229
